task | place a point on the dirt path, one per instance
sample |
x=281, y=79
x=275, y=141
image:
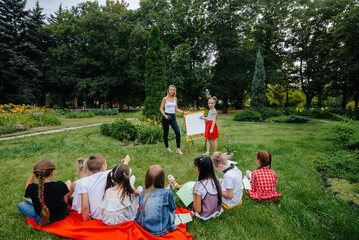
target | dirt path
x=54, y=131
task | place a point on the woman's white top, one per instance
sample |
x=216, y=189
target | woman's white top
x=170, y=107
x=116, y=211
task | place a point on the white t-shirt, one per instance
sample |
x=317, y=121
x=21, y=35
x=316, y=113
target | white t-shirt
x=76, y=201
x=94, y=186
x=200, y=190
x=232, y=179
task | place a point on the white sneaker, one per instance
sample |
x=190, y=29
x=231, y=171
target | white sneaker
x=132, y=180
x=206, y=154
x=140, y=188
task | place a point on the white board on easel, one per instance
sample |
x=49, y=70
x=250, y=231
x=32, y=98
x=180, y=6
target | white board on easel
x=195, y=126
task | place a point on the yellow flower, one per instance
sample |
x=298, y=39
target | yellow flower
x=160, y=126
x=136, y=119
x=155, y=123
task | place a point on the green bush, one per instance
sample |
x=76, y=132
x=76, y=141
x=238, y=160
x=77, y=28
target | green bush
x=105, y=129
x=104, y=112
x=248, y=115
x=123, y=130
x=270, y=113
x=148, y=133
x=340, y=164
x=294, y=119
x=80, y=115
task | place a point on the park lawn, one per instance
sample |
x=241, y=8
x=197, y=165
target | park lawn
x=307, y=209
x=76, y=122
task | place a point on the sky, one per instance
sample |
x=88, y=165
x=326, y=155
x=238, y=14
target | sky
x=51, y=6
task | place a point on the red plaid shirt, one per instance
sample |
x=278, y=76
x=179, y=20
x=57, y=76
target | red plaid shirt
x=263, y=182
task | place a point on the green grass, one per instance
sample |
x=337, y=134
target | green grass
x=75, y=122
x=307, y=209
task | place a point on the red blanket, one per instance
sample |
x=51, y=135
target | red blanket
x=73, y=227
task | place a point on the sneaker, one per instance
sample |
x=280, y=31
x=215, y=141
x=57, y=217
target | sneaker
x=132, y=180
x=140, y=188
x=170, y=180
x=169, y=149
x=206, y=154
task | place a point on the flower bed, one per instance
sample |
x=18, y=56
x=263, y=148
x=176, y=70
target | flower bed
x=21, y=117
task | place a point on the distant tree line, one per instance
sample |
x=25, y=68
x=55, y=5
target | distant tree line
x=96, y=55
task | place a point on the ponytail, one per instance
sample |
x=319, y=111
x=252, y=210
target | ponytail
x=120, y=175
x=42, y=170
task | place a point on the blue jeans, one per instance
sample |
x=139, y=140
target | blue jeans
x=28, y=210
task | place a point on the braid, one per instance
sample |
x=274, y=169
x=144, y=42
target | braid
x=42, y=170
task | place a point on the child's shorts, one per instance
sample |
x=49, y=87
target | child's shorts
x=228, y=207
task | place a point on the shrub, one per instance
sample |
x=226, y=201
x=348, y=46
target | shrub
x=105, y=129
x=80, y=115
x=104, y=112
x=123, y=130
x=147, y=133
x=294, y=119
x=269, y=113
x=340, y=164
x=248, y=115
x=13, y=116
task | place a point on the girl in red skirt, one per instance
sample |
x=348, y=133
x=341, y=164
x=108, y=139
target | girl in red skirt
x=211, y=133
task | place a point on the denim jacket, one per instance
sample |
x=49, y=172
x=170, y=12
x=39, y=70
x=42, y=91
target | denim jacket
x=159, y=213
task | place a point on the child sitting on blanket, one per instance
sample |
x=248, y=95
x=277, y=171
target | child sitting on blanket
x=157, y=213
x=263, y=180
x=207, y=197
x=121, y=199
x=81, y=172
x=232, y=185
x=92, y=188
x=49, y=199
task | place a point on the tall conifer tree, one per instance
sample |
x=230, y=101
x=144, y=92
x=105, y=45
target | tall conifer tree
x=258, y=94
x=155, y=82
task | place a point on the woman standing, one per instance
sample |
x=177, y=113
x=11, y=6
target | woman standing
x=169, y=117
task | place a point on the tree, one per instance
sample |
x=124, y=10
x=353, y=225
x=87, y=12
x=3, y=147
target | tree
x=154, y=74
x=258, y=93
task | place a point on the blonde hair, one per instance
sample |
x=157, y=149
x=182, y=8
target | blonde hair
x=155, y=178
x=95, y=163
x=214, y=98
x=42, y=170
x=219, y=158
x=82, y=167
x=168, y=90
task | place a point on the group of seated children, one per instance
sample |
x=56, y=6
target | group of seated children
x=110, y=196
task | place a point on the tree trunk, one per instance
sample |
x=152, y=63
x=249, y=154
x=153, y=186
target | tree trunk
x=286, y=98
x=308, y=100
x=344, y=100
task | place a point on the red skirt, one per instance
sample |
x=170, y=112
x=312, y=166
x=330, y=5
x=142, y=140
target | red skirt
x=208, y=135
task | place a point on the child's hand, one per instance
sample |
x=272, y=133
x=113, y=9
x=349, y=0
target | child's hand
x=127, y=159
x=167, y=187
x=211, y=131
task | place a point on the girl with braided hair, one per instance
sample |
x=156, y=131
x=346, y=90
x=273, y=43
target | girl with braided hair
x=49, y=199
